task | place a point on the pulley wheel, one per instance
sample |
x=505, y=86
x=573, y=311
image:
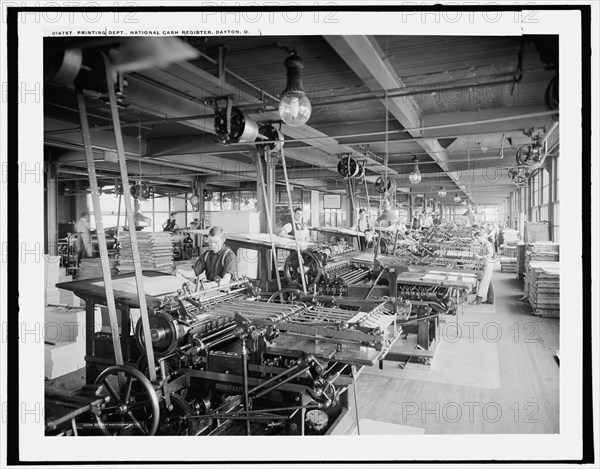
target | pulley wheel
x=162, y=331
x=385, y=186
x=313, y=269
x=133, y=408
x=170, y=422
x=273, y=135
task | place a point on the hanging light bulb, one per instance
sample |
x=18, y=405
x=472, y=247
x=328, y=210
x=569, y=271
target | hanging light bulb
x=294, y=107
x=442, y=192
x=464, y=202
x=415, y=175
x=457, y=198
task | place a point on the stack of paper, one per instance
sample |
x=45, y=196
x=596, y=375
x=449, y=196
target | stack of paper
x=543, y=280
x=508, y=264
x=92, y=268
x=155, y=252
x=543, y=252
x=63, y=357
x=64, y=341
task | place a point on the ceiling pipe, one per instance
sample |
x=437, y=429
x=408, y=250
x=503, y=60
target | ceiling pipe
x=415, y=129
x=549, y=132
x=308, y=147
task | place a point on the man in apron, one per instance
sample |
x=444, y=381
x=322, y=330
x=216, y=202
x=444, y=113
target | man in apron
x=362, y=226
x=217, y=266
x=487, y=255
x=297, y=225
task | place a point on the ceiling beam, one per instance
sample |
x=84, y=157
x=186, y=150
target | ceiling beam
x=364, y=56
x=468, y=122
x=192, y=78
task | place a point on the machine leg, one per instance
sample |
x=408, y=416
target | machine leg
x=355, y=400
x=247, y=406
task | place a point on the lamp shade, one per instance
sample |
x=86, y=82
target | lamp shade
x=442, y=192
x=457, y=198
x=464, y=202
x=387, y=214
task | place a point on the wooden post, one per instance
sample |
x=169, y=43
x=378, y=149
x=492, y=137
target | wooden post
x=108, y=288
x=137, y=266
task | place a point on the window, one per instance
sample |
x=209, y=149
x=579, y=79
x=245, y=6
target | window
x=556, y=177
x=248, y=200
x=545, y=180
x=535, y=190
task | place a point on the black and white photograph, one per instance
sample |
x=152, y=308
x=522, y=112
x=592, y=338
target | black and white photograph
x=333, y=233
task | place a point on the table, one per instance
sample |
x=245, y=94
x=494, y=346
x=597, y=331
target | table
x=99, y=352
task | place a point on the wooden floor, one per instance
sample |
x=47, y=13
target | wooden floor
x=498, y=375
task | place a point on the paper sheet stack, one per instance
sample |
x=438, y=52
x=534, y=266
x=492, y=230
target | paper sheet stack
x=545, y=251
x=508, y=264
x=64, y=341
x=92, y=267
x=155, y=251
x=542, y=283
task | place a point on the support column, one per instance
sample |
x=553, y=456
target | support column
x=201, y=185
x=350, y=208
x=263, y=206
x=51, y=209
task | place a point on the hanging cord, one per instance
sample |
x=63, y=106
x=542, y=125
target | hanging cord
x=289, y=194
x=267, y=208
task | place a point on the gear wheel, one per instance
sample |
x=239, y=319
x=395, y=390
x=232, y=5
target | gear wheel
x=162, y=331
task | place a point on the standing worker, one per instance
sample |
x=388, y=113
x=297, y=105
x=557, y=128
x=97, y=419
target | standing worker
x=363, y=226
x=170, y=224
x=84, y=236
x=485, y=289
x=297, y=225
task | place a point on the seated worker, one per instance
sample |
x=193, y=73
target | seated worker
x=485, y=290
x=362, y=225
x=297, y=225
x=218, y=265
x=170, y=224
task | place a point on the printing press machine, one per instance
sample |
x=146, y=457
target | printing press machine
x=226, y=362
x=433, y=290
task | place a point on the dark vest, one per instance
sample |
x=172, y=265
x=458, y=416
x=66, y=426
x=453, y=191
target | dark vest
x=220, y=262
x=170, y=225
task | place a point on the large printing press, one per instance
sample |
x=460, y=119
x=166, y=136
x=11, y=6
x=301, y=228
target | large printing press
x=227, y=362
x=241, y=361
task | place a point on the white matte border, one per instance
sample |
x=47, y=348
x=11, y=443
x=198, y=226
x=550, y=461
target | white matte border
x=566, y=445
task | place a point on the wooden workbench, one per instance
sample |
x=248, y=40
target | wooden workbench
x=99, y=352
